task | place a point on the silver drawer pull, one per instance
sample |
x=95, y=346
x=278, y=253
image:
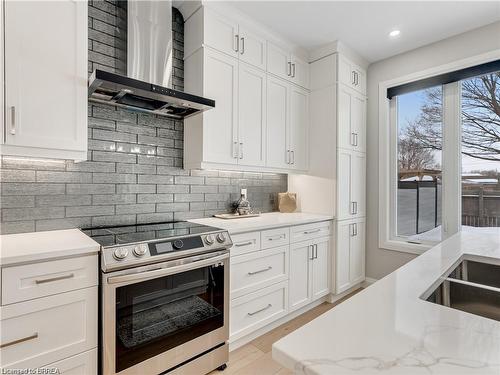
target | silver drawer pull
x=276, y=237
x=63, y=277
x=18, y=341
x=243, y=243
x=260, y=310
x=312, y=231
x=260, y=271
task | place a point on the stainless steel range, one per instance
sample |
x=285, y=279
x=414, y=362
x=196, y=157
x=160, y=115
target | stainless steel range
x=165, y=298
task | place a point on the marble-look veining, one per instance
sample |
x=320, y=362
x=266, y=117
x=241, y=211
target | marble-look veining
x=388, y=329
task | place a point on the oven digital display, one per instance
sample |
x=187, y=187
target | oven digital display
x=165, y=247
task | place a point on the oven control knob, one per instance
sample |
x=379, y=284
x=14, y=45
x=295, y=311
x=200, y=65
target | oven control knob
x=140, y=250
x=209, y=239
x=177, y=244
x=221, y=238
x=120, y=253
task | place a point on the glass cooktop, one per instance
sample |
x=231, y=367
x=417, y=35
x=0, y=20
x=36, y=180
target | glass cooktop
x=115, y=235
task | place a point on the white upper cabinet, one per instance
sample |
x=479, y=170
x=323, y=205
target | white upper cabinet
x=45, y=79
x=299, y=71
x=351, y=120
x=352, y=75
x=278, y=153
x=298, y=133
x=252, y=48
x=251, y=116
x=278, y=61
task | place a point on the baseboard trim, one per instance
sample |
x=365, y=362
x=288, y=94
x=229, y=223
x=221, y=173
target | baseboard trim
x=368, y=281
x=263, y=330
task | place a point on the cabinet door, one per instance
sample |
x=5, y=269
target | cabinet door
x=342, y=251
x=299, y=125
x=300, y=270
x=252, y=115
x=358, y=184
x=357, y=253
x=252, y=48
x=277, y=123
x=320, y=268
x=358, y=122
x=345, y=137
x=278, y=61
x=220, y=123
x=300, y=72
x=344, y=205
x=46, y=75
x=221, y=33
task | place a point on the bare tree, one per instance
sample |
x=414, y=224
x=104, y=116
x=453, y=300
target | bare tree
x=480, y=118
x=412, y=156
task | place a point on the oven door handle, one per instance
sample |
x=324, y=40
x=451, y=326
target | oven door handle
x=188, y=264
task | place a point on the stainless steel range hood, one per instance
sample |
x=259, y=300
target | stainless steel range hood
x=147, y=86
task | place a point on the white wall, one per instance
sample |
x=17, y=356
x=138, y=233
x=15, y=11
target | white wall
x=380, y=262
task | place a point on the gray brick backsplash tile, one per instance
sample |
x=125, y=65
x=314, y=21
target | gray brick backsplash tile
x=172, y=207
x=107, y=199
x=134, y=169
x=15, y=175
x=17, y=227
x=188, y=197
x=31, y=189
x=63, y=200
x=13, y=201
x=135, y=208
x=78, y=211
x=155, y=198
x=90, y=189
x=50, y=176
x=114, y=178
x=18, y=214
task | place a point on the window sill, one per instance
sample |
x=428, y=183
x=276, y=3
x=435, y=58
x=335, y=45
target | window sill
x=405, y=247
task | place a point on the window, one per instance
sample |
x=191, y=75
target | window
x=449, y=123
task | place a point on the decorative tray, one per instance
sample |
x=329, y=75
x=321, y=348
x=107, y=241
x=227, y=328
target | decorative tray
x=235, y=216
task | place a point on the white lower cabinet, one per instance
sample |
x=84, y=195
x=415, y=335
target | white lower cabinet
x=80, y=364
x=350, y=254
x=276, y=271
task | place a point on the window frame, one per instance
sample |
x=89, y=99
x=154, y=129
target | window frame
x=451, y=156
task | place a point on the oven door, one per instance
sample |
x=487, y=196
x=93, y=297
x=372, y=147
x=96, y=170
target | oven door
x=158, y=316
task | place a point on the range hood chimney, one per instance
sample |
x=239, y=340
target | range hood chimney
x=148, y=84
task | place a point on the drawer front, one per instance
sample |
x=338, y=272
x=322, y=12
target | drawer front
x=257, y=270
x=49, y=329
x=22, y=283
x=80, y=364
x=275, y=237
x=309, y=231
x=245, y=243
x=255, y=310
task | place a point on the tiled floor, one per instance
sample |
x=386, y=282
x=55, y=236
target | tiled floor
x=255, y=357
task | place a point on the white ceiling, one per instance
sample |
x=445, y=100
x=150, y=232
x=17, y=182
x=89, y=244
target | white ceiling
x=364, y=25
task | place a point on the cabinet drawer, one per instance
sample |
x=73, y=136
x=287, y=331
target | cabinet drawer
x=308, y=231
x=80, y=364
x=48, y=329
x=245, y=243
x=22, y=283
x=275, y=237
x=257, y=270
x=255, y=310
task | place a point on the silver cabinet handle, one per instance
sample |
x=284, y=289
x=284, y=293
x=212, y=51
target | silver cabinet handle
x=260, y=271
x=260, y=310
x=312, y=231
x=353, y=77
x=237, y=44
x=242, y=46
x=289, y=72
x=352, y=208
x=235, y=150
x=18, y=341
x=241, y=150
x=312, y=251
x=288, y=156
x=293, y=157
x=351, y=230
x=315, y=251
x=52, y=279
x=354, y=139
x=355, y=207
x=357, y=78
x=276, y=237
x=243, y=243
x=13, y=120
x=355, y=229
x=293, y=74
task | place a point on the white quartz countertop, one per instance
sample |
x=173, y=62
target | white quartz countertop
x=38, y=246
x=264, y=221
x=388, y=329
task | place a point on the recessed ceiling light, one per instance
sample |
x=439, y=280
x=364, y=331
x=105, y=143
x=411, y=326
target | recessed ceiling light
x=394, y=33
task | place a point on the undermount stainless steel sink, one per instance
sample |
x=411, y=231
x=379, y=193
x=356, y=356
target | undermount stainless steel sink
x=471, y=286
